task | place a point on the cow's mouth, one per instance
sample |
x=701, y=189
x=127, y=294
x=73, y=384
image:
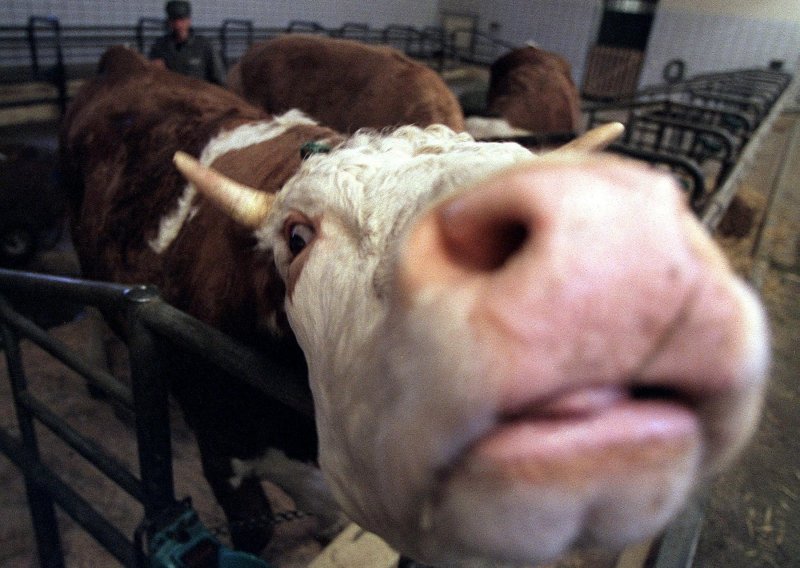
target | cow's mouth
x=598, y=465
x=586, y=434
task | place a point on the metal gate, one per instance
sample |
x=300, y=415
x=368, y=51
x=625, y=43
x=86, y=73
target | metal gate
x=151, y=326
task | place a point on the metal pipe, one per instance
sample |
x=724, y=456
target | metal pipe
x=148, y=23
x=151, y=409
x=73, y=504
x=233, y=26
x=40, y=501
x=688, y=167
x=97, y=377
x=86, y=447
x=286, y=385
x=90, y=292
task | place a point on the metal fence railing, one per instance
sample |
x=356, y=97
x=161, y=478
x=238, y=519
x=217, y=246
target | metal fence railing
x=700, y=127
x=48, y=52
x=235, y=36
x=152, y=326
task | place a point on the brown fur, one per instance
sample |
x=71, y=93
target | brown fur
x=533, y=89
x=117, y=143
x=344, y=84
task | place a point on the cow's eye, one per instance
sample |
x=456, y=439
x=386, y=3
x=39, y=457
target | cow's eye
x=299, y=235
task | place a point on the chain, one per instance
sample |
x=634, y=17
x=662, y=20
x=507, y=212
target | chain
x=262, y=521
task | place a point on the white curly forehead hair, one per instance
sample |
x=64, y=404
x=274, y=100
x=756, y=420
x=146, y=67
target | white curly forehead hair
x=376, y=174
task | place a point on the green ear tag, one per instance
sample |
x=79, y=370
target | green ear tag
x=313, y=147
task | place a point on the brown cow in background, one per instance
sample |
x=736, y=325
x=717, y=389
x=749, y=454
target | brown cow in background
x=533, y=89
x=344, y=84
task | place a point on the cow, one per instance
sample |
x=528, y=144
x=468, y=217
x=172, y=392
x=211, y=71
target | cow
x=529, y=89
x=344, y=84
x=509, y=355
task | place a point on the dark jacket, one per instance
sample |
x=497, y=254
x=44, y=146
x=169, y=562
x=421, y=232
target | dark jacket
x=196, y=57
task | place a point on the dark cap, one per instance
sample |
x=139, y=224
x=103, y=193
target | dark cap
x=178, y=9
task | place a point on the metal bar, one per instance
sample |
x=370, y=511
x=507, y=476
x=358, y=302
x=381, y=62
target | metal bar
x=305, y=26
x=230, y=26
x=284, y=384
x=710, y=116
x=34, y=48
x=73, y=504
x=278, y=381
x=28, y=103
x=40, y=502
x=94, y=293
x=686, y=126
x=60, y=75
x=156, y=490
x=60, y=70
x=144, y=24
x=151, y=409
x=679, y=162
x=672, y=109
x=661, y=131
x=723, y=98
x=682, y=128
x=86, y=447
x=97, y=377
x=777, y=79
x=715, y=210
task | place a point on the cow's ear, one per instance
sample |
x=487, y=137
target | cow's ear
x=244, y=204
x=595, y=139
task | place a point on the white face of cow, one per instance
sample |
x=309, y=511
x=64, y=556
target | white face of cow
x=509, y=362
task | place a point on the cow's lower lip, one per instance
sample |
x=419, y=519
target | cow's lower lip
x=620, y=432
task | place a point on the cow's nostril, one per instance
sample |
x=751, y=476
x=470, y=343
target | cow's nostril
x=507, y=239
x=484, y=245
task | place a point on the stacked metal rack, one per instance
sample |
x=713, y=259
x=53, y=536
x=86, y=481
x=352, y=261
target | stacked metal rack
x=705, y=129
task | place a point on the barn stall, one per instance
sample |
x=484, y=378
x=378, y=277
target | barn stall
x=766, y=251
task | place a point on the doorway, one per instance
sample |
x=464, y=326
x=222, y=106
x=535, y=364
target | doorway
x=615, y=61
x=627, y=23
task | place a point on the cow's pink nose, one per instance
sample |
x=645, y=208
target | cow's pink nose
x=598, y=220
x=587, y=261
x=483, y=239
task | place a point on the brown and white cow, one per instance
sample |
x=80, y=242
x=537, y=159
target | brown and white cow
x=344, y=84
x=530, y=89
x=509, y=356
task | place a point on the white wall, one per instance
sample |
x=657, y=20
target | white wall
x=263, y=13
x=784, y=10
x=715, y=35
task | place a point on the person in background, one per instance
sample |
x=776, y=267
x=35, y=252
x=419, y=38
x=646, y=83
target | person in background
x=183, y=51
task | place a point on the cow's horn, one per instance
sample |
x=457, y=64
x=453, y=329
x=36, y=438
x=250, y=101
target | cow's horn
x=245, y=204
x=595, y=139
